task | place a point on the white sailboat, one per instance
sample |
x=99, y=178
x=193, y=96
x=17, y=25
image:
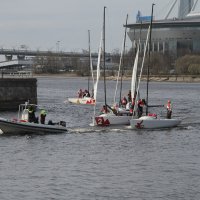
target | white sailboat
x=121, y=116
x=83, y=100
x=151, y=121
x=112, y=116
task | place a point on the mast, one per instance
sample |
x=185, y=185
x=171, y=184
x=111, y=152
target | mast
x=89, y=61
x=147, y=98
x=122, y=71
x=104, y=54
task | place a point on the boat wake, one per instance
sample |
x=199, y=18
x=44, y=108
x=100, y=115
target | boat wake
x=97, y=129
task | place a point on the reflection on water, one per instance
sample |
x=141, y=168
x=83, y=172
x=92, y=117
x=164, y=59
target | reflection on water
x=104, y=163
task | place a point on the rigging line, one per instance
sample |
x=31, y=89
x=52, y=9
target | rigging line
x=142, y=66
x=104, y=55
x=91, y=64
x=122, y=71
x=118, y=74
x=109, y=35
x=134, y=85
x=147, y=98
x=97, y=74
x=89, y=72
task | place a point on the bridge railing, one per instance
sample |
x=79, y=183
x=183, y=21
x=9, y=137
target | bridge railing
x=18, y=74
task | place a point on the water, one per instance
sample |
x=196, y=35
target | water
x=104, y=163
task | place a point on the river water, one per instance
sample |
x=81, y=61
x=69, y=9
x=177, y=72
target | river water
x=104, y=163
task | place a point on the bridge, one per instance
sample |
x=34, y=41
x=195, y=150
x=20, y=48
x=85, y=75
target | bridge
x=12, y=52
x=15, y=58
x=15, y=63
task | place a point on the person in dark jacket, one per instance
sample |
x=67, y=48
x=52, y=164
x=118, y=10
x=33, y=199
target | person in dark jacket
x=31, y=115
x=43, y=114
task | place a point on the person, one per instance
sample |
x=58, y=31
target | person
x=132, y=107
x=86, y=93
x=141, y=104
x=31, y=115
x=43, y=114
x=104, y=110
x=169, y=109
x=128, y=105
x=124, y=102
x=80, y=93
x=92, y=95
x=129, y=96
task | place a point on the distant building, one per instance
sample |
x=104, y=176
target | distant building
x=176, y=36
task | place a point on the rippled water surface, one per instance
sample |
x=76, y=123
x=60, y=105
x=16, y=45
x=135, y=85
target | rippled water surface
x=104, y=163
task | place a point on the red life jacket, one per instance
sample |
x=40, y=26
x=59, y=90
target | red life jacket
x=169, y=106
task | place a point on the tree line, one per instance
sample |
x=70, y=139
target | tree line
x=160, y=64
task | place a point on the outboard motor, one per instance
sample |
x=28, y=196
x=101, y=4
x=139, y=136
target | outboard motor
x=63, y=123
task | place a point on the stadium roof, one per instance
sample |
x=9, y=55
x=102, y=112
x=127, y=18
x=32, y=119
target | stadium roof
x=169, y=23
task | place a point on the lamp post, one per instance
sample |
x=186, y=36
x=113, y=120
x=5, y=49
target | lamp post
x=57, y=46
x=57, y=57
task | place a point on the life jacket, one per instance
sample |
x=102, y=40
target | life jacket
x=124, y=101
x=140, y=103
x=169, y=106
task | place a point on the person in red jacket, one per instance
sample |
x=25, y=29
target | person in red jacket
x=124, y=102
x=169, y=109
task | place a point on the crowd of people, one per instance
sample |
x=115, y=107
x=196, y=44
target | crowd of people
x=127, y=106
x=128, y=103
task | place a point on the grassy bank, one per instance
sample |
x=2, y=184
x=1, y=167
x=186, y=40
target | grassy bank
x=166, y=78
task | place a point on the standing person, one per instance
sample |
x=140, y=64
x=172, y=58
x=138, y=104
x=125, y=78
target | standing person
x=129, y=96
x=31, y=115
x=132, y=107
x=43, y=114
x=141, y=104
x=169, y=109
x=104, y=110
x=124, y=102
x=86, y=93
x=80, y=93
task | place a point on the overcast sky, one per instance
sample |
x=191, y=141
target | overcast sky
x=39, y=24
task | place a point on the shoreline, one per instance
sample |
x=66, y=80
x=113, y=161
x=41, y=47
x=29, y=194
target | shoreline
x=154, y=78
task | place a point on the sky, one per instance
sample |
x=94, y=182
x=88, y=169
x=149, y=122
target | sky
x=63, y=24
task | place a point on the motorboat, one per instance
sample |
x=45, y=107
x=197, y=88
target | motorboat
x=22, y=124
x=20, y=127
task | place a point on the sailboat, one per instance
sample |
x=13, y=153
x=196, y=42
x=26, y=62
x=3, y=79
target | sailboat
x=84, y=97
x=150, y=121
x=110, y=116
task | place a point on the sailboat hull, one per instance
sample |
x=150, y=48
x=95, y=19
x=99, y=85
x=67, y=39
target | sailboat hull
x=147, y=122
x=85, y=101
x=111, y=119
